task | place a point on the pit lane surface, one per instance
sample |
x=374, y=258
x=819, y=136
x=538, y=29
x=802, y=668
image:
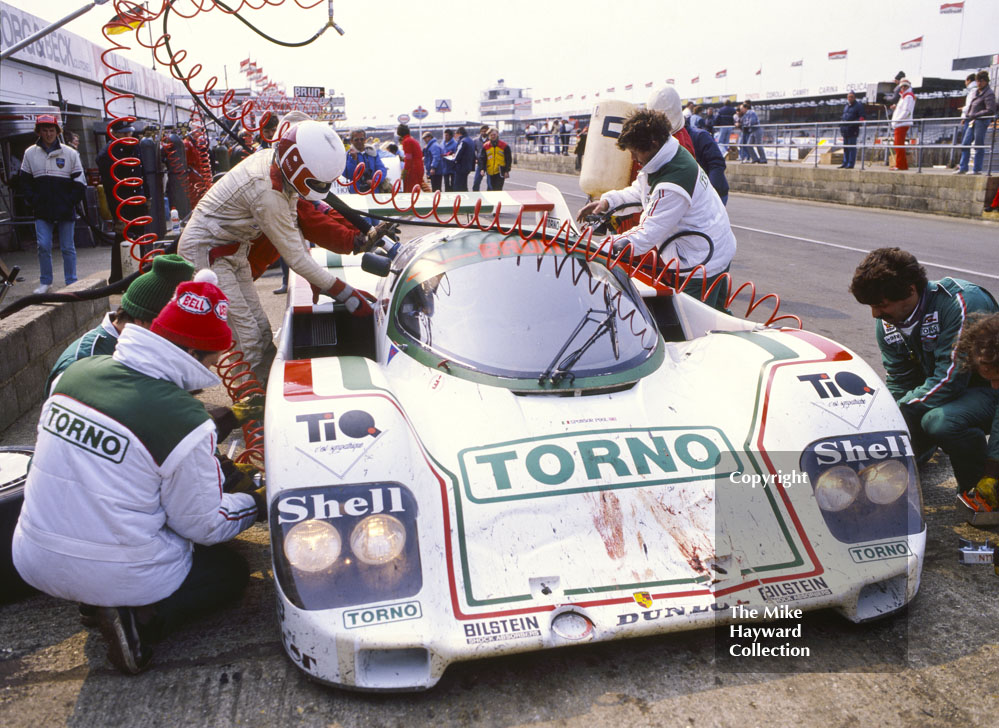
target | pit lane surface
x=936, y=665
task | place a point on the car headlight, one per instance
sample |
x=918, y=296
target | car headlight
x=885, y=482
x=378, y=539
x=837, y=488
x=312, y=545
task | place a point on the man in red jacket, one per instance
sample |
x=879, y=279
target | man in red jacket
x=412, y=155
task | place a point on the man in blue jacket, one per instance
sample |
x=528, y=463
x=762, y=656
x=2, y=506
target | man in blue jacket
x=918, y=325
x=710, y=158
x=853, y=114
x=724, y=123
x=359, y=153
x=447, y=159
x=433, y=160
x=464, y=160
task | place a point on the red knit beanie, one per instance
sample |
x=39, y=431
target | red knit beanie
x=196, y=316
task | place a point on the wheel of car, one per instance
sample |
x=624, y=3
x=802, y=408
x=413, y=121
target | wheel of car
x=13, y=473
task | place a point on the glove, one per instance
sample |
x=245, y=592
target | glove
x=249, y=408
x=988, y=489
x=356, y=301
x=240, y=478
x=260, y=498
x=366, y=242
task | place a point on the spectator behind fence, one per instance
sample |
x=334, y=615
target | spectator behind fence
x=565, y=136
x=981, y=110
x=709, y=120
x=901, y=120
x=853, y=114
x=724, y=123
x=972, y=89
x=752, y=134
x=412, y=160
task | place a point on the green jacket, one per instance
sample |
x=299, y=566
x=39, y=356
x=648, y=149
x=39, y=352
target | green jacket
x=922, y=370
x=102, y=339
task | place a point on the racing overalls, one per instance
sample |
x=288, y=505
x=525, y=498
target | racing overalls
x=943, y=404
x=251, y=199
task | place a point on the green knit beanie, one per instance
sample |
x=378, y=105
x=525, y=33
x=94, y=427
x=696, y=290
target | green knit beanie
x=150, y=292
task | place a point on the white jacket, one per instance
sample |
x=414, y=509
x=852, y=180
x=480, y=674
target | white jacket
x=113, y=502
x=247, y=202
x=683, y=200
x=902, y=116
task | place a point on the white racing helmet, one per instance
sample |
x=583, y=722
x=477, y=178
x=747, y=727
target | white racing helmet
x=667, y=100
x=311, y=156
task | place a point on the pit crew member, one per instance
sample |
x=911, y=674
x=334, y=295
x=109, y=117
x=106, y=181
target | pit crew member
x=141, y=303
x=978, y=350
x=260, y=195
x=677, y=196
x=123, y=503
x=918, y=324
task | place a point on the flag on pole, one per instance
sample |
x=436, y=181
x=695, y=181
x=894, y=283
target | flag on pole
x=244, y=63
x=837, y=55
x=122, y=23
x=548, y=98
x=628, y=87
x=568, y=97
x=722, y=73
x=695, y=79
x=952, y=7
x=759, y=70
x=648, y=84
x=583, y=96
x=799, y=62
x=558, y=98
x=914, y=43
x=671, y=81
x=610, y=90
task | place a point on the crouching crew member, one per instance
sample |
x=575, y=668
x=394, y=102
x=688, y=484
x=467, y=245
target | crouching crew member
x=918, y=325
x=978, y=350
x=123, y=503
x=677, y=196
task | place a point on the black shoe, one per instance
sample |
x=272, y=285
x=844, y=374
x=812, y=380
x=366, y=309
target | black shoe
x=126, y=649
x=279, y=291
x=88, y=616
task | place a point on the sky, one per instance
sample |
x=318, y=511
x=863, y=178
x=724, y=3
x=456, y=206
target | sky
x=400, y=54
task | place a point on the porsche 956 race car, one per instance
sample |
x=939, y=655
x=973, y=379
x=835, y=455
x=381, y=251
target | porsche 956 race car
x=524, y=449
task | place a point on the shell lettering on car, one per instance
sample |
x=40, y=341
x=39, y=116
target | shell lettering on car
x=295, y=508
x=595, y=460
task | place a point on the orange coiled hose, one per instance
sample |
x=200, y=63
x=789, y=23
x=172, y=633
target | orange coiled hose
x=240, y=381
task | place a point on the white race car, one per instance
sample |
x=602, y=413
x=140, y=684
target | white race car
x=520, y=451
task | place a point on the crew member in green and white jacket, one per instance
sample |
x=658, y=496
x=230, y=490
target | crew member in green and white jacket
x=918, y=326
x=676, y=195
x=123, y=503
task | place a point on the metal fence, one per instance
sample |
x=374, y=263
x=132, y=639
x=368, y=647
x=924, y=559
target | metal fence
x=932, y=142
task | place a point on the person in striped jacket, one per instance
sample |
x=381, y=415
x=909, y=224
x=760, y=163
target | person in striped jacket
x=918, y=324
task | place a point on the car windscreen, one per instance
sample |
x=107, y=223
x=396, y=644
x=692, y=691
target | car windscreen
x=508, y=309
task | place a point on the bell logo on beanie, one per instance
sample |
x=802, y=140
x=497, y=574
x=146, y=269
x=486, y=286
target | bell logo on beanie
x=196, y=317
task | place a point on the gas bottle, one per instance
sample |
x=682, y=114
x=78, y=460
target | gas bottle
x=605, y=167
x=174, y=220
